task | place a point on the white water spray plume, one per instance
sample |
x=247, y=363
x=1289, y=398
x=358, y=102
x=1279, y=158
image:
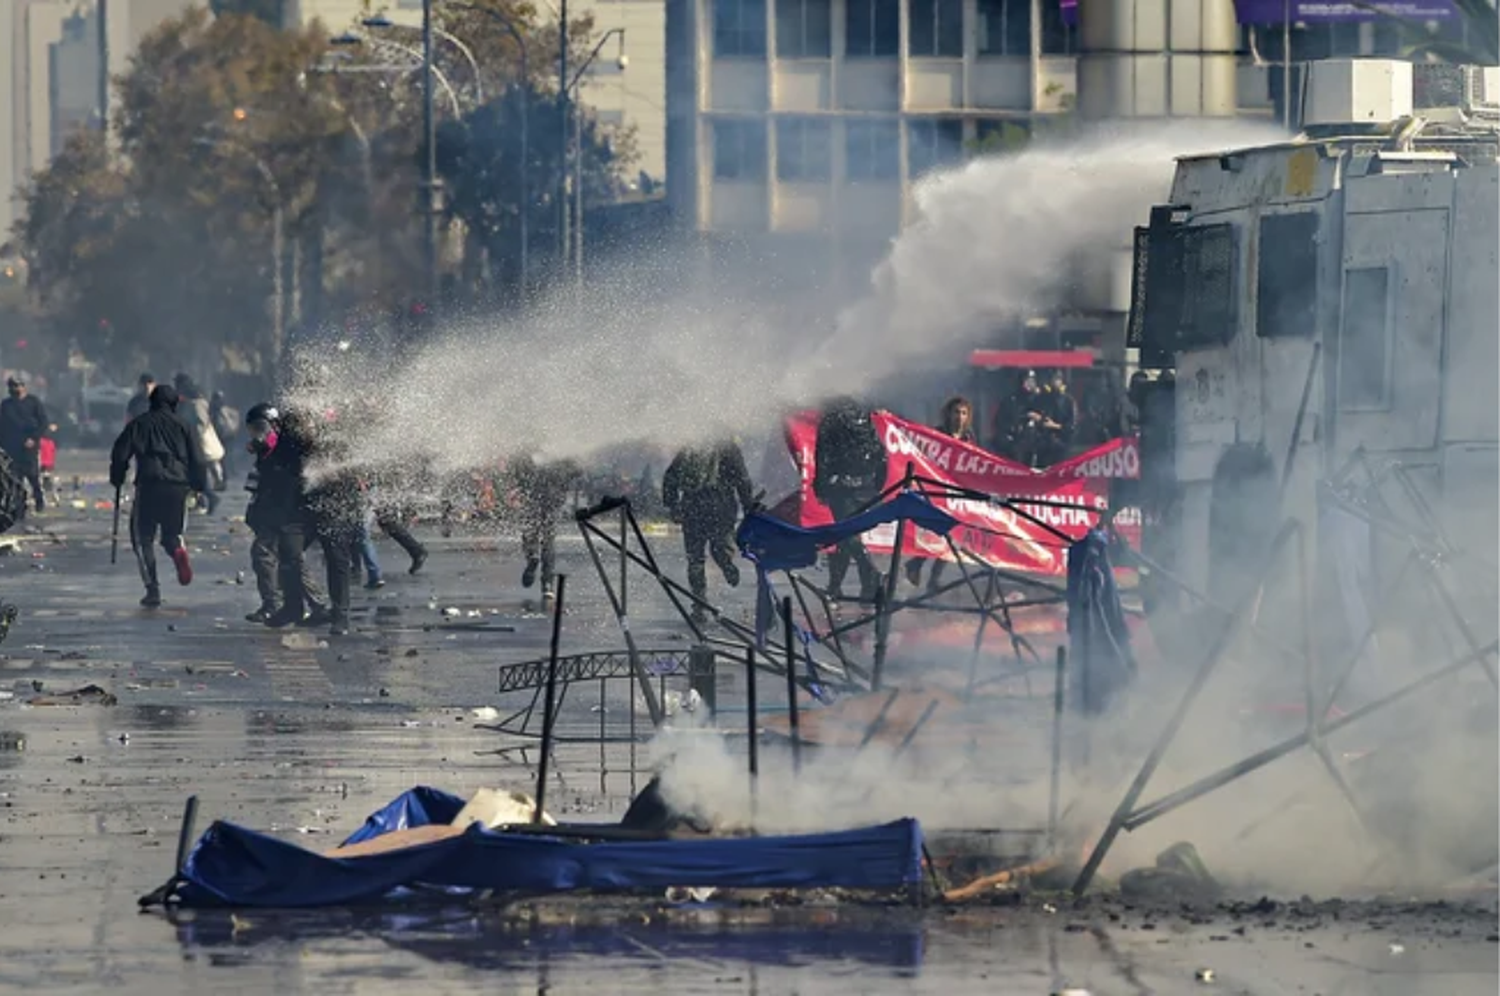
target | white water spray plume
x=648, y=351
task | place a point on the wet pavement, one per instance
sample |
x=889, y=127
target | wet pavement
x=305, y=735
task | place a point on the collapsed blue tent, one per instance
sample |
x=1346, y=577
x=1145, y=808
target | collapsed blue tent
x=777, y=545
x=236, y=867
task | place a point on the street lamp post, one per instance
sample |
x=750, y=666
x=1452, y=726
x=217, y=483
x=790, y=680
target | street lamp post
x=429, y=162
x=385, y=23
x=525, y=194
x=411, y=52
x=577, y=143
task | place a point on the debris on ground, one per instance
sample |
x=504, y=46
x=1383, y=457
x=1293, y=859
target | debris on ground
x=1179, y=874
x=489, y=807
x=87, y=695
x=1008, y=878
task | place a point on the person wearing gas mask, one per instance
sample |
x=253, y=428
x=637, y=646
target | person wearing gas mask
x=542, y=489
x=167, y=471
x=275, y=500
x=849, y=474
x=704, y=490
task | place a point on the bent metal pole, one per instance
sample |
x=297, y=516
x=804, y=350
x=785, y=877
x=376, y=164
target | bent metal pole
x=551, y=701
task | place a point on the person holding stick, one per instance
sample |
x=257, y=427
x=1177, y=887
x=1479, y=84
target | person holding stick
x=167, y=471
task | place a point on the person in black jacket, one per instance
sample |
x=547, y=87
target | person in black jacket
x=704, y=489
x=167, y=470
x=849, y=473
x=542, y=489
x=326, y=511
x=275, y=499
x=23, y=422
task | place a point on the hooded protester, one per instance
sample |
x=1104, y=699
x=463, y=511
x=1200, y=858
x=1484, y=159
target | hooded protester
x=275, y=488
x=167, y=471
x=192, y=408
x=957, y=422
x=705, y=488
x=542, y=489
x=23, y=423
x=849, y=474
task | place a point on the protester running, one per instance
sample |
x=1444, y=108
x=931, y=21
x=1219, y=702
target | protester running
x=704, y=489
x=542, y=488
x=167, y=471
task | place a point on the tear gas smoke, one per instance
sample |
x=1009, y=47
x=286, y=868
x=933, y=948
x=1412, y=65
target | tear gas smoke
x=643, y=353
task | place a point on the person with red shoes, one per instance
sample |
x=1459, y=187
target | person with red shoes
x=167, y=471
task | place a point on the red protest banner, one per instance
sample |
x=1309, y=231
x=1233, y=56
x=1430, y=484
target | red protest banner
x=1069, y=496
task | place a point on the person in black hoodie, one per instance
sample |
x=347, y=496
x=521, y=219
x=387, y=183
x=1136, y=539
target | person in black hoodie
x=275, y=486
x=167, y=470
x=327, y=511
x=849, y=471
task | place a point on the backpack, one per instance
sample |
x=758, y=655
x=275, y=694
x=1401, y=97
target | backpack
x=699, y=471
x=12, y=494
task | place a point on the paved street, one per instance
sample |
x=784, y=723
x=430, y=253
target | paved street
x=305, y=735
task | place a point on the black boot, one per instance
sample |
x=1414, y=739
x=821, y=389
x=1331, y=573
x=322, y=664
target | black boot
x=152, y=599
x=284, y=617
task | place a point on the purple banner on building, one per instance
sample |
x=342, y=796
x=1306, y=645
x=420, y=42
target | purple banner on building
x=1315, y=11
x=1326, y=11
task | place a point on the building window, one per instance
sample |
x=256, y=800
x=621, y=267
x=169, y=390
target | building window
x=872, y=150
x=997, y=137
x=933, y=144
x=1005, y=27
x=804, y=29
x=937, y=28
x=1364, y=341
x=802, y=150
x=1058, y=36
x=1286, y=286
x=872, y=28
x=739, y=150
x=740, y=27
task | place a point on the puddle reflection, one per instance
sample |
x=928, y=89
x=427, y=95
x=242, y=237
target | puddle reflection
x=491, y=942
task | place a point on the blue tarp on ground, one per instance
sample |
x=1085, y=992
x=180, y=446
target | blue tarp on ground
x=236, y=867
x=777, y=545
